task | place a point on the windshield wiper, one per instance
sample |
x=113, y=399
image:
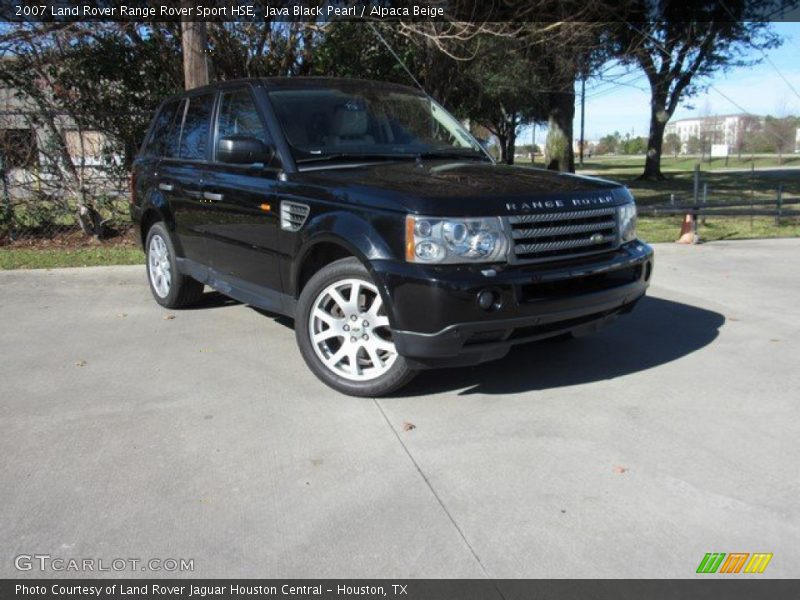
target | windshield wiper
x=353, y=156
x=453, y=154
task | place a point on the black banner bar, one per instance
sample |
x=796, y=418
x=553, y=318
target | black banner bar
x=712, y=588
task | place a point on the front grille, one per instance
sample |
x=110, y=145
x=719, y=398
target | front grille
x=553, y=236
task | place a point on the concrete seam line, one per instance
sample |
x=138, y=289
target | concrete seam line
x=438, y=498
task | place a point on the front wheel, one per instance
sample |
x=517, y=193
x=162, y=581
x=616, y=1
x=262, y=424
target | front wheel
x=343, y=332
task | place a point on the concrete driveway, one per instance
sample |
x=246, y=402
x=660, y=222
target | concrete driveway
x=127, y=433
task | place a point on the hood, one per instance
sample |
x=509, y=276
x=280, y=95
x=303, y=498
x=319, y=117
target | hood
x=444, y=188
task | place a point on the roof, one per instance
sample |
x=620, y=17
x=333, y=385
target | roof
x=298, y=83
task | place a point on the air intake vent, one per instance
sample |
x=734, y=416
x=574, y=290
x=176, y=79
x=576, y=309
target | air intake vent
x=293, y=215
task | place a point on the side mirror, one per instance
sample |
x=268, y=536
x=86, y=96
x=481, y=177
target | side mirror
x=243, y=150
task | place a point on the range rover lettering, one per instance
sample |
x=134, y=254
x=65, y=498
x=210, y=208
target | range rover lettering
x=369, y=215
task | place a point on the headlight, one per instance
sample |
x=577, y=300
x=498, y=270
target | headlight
x=627, y=222
x=434, y=240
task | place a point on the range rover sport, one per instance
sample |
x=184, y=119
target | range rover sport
x=369, y=215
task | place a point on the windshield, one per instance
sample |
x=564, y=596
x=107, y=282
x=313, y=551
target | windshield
x=323, y=123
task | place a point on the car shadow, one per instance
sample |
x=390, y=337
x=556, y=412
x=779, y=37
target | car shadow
x=657, y=332
x=212, y=299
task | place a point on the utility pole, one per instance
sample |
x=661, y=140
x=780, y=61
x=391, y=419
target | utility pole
x=193, y=40
x=533, y=144
x=583, y=114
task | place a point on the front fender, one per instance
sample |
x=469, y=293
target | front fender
x=366, y=240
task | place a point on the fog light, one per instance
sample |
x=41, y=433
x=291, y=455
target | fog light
x=488, y=300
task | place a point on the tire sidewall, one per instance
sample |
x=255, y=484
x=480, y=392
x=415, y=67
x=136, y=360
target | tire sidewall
x=349, y=268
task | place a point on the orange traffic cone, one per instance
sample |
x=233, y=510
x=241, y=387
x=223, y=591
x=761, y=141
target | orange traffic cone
x=688, y=231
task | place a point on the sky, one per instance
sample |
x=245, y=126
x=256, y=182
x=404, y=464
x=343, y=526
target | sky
x=623, y=105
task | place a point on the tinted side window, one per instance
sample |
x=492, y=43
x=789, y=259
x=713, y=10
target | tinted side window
x=161, y=127
x=172, y=138
x=238, y=116
x=194, y=139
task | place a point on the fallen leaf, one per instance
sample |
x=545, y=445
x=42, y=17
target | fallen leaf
x=408, y=426
x=621, y=469
x=169, y=317
x=316, y=461
x=122, y=315
x=205, y=349
x=81, y=363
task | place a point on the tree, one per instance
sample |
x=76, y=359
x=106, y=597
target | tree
x=679, y=45
x=672, y=144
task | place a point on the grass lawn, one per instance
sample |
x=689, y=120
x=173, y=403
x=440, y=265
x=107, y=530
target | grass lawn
x=667, y=229
x=722, y=185
x=50, y=258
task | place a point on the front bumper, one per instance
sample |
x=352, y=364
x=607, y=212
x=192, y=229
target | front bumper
x=436, y=319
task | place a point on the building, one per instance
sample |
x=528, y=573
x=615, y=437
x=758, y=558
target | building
x=718, y=129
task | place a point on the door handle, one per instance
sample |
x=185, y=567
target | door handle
x=212, y=196
x=166, y=187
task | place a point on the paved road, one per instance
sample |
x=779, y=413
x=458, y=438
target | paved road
x=628, y=454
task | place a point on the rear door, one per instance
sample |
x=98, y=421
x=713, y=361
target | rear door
x=243, y=219
x=182, y=170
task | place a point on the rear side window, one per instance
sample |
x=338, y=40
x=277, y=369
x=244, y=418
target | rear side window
x=161, y=127
x=238, y=116
x=194, y=139
x=172, y=139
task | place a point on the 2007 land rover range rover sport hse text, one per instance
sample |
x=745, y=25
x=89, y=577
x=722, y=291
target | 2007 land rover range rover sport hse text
x=368, y=214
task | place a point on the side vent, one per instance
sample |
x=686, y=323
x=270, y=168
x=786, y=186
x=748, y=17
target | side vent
x=293, y=215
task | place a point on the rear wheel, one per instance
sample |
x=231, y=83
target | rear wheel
x=169, y=287
x=343, y=332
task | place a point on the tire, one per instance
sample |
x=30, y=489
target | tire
x=169, y=287
x=357, y=356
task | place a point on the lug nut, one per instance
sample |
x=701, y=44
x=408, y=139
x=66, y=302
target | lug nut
x=353, y=340
x=365, y=337
x=366, y=323
x=353, y=318
x=346, y=327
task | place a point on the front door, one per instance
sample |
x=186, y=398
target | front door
x=242, y=220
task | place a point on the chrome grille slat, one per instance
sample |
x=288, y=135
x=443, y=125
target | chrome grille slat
x=562, y=230
x=563, y=216
x=561, y=245
x=553, y=236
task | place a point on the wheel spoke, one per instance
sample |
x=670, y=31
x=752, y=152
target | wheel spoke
x=326, y=335
x=325, y=317
x=339, y=299
x=352, y=356
x=382, y=344
x=377, y=363
x=376, y=306
x=333, y=360
x=380, y=322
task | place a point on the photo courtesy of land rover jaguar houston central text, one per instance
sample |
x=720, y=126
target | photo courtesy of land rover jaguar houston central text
x=369, y=215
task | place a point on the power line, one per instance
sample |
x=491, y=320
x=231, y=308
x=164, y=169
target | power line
x=764, y=54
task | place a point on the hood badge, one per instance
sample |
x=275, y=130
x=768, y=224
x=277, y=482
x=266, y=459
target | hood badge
x=604, y=200
x=597, y=238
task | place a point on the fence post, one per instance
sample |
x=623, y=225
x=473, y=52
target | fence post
x=705, y=199
x=780, y=205
x=696, y=182
x=672, y=199
x=752, y=192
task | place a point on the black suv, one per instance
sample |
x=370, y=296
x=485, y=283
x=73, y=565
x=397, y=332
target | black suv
x=372, y=217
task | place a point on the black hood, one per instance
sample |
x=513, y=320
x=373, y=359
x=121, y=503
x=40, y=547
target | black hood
x=463, y=188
